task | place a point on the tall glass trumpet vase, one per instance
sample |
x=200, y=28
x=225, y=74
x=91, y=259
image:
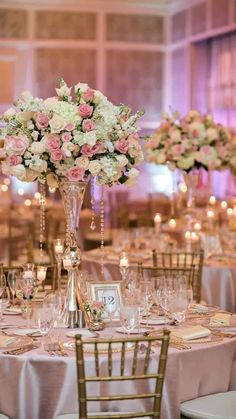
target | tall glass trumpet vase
x=72, y=193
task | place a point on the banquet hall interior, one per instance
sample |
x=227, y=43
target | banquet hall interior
x=117, y=209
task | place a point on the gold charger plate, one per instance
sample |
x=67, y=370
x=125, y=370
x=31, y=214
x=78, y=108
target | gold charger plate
x=18, y=342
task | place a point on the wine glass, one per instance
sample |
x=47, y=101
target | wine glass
x=129, y=318
x=26, y=283
x=180, y=305
x=45, y=320
x=12, y=280
x=111, y=305
x=2, y=284
x=146, y=289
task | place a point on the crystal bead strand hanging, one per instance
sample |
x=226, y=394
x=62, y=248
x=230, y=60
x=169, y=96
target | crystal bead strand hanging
x=92, y=200
x=102, y=230
x=42, y=219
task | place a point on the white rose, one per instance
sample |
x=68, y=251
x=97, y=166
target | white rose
x=30, y=125
x=122, y=160
x=19, y=171
x=94, y=167
x=161, y=158
x=212, y=134
x=90, y=138
x=68, y=148
x=193, y=113
x=186, y=163
x=37, y=147
x=10, y=112
x=50, y=103
x=25, y=116
x=82, y=162
x=64, y=90
x=57, y=124
x=175, y=135
x=82, y=86
x=26, y=96
x=35, y=135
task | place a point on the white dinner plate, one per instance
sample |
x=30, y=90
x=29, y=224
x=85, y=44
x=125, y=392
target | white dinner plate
x=84, y=332
x=135, y=331
x=12, y=311
x=25, y=332
x=155, y=321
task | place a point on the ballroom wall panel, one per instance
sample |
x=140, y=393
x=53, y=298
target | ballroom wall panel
x=65, y=25
x=220, y=13
x=135, y=28
x=198, y=18
x=13, y=24
x=179, y=26
x=136, y=78
x=72, y=64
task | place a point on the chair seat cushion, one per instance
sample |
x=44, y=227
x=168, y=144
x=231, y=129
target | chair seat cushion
x=3, y=416
x=214, y=406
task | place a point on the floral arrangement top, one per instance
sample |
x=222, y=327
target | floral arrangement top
x=191, y=142
x=94, y=308
x=70, y=137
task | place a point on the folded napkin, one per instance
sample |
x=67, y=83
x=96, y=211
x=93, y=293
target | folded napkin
x=199, y=308
x=6, y=340
x=220, y=319
x=192, y=332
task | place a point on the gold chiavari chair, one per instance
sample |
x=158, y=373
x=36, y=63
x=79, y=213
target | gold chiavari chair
x=183, y=260
x=139, y=370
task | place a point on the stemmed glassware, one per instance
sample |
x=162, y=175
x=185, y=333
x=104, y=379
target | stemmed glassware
x=45, y=320
x=27, y=284
x=111, y=306
x=129, y=318
x=12, y=280
x=4, y=296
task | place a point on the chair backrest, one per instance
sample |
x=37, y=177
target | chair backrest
x=183, y=260
x=139, y=370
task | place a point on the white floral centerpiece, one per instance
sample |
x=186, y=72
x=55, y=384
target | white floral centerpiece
x=192, y=142
x=72, y=138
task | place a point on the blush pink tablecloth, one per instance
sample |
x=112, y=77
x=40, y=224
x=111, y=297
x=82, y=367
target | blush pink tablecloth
x=37, y=386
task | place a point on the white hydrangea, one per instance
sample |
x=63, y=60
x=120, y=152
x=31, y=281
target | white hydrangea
x=82, y=162
x=37, y=147
x=90, y=138
x=38, y=164
x=94, y=167
x=122, y=160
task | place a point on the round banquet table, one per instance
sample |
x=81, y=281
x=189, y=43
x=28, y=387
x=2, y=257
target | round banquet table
x=35, y=385
x=218, y=279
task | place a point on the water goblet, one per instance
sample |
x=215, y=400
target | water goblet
x=12, y=280
x=129, y=318
x=180, y=305
x=45, y=320
x=111, y=306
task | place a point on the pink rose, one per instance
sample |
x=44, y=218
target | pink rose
x=84, y=110
x=14, y=160
x=75, y=173
x=18, y=143
x=88, y=95
x=122, y=145
x=52, y=143
x=42, y=120
x=88, y=125
x=58, y=155
x=178, y=149
x=66, y=136
x=70, y=126
x=88, y=151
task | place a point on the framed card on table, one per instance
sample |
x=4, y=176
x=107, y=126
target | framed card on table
x=109, y=293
